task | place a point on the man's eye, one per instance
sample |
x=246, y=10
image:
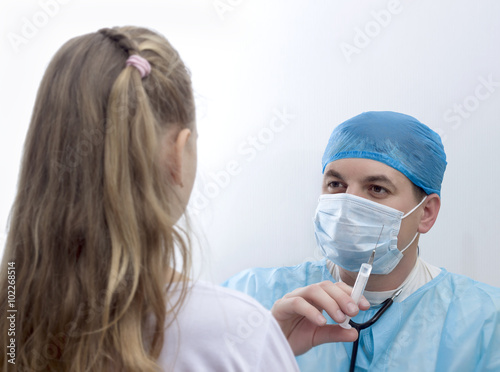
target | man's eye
x=335, y=185
x=378, y=189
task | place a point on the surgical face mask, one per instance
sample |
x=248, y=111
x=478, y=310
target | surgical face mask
x=347, y=228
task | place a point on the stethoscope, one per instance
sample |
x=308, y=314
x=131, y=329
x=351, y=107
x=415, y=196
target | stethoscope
x=385, y=305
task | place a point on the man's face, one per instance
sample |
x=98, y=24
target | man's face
x=377, y=182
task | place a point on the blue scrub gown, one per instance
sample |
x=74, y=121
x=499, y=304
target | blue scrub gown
x=450, y=324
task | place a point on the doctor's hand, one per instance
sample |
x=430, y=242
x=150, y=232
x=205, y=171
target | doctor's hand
x=299, y=315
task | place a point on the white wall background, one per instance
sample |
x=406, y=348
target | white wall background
x=252, y=59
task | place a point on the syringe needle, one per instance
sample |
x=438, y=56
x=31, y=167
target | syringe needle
x=372, y=257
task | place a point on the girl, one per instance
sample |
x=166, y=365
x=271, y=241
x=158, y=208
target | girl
x=108, y=167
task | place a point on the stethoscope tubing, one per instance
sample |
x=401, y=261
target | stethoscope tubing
x=360, y=326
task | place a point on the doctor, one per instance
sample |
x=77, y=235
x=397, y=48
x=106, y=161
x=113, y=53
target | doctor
x=382, y=182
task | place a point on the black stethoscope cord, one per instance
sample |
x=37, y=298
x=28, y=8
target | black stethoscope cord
x=385, y=305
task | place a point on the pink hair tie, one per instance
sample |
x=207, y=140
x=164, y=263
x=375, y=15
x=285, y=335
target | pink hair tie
x=139, y=63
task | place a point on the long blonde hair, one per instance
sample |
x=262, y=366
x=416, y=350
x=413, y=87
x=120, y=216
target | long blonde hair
x=91, y=232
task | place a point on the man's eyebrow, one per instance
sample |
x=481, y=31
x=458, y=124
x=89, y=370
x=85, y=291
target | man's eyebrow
x=380, y=178
x=332, y=173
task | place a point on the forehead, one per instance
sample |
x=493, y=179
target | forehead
x=355, y=169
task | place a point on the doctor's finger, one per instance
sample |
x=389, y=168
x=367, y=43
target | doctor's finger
x=343, y=300
x=326, y=296
x=334, y=298
x=289, y=307
x=340, y=303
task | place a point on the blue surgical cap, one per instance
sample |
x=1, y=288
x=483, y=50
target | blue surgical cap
x=398, y=140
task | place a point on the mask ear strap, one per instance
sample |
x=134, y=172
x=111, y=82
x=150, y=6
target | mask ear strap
x=405, y=248
x=418, y=205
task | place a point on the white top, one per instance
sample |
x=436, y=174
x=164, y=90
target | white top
x=421, y=274
x=219, y=329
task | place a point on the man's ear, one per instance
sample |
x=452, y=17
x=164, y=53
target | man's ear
x=177, y=155
x=431, y=210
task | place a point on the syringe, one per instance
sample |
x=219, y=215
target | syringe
x=359, y=286
x=361, y=280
